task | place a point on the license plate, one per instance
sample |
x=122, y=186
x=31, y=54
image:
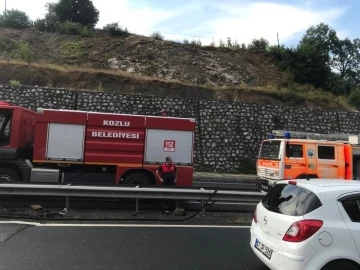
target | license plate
x=263, y=249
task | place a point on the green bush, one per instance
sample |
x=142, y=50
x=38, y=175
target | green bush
x=261, y=44
x=15, y=83
x=40, y=24
x=196, y=42
x=354, y=98
x=100, y=87
x=73, y=50
x=66, y=28
x=24, y=53
x=337, y=85
x=157, y=35
x=115, y=29
x=71, y=28
x=45, y=25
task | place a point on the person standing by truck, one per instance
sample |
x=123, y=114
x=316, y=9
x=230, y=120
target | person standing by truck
x=168, y=177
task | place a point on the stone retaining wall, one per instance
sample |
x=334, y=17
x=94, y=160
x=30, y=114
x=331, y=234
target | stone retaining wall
x=227, y=134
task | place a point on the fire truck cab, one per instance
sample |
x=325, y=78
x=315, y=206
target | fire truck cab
x=92, y=148
x=295, y=155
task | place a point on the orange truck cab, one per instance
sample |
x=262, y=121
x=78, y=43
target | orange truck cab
x=302, y=155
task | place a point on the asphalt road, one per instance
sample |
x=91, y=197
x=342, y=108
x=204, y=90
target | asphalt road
x=58, y=247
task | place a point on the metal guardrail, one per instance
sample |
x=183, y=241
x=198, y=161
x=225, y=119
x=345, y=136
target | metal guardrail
x=68, y=191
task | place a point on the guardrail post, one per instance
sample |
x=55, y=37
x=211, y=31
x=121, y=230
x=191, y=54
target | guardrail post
x=137, y=206
x=67, y=204
x=202, y=205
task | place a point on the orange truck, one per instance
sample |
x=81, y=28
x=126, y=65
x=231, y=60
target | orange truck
x=302, y=155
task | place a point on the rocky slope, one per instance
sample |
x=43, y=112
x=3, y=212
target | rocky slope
x=142, y=65
x=141, y=55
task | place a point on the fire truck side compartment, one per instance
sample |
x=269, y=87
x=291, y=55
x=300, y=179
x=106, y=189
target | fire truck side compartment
x=156, y=151
x=44, y=175
x=160, y=130
x=65, y=142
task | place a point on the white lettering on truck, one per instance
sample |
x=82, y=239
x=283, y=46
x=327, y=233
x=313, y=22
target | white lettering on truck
x=116, y=123
x=116, y=135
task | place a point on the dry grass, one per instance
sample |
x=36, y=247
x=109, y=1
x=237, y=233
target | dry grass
x=69, y=69
x=292, y=95
x=305, y=93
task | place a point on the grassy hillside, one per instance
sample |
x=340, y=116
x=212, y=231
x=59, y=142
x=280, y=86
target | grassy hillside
x=142, y=65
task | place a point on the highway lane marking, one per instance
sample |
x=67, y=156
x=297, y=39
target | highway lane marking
x=146, y=225
x=122, y=225
x=20, y=223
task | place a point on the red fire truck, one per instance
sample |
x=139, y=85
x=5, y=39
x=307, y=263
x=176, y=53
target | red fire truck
x=92, y=148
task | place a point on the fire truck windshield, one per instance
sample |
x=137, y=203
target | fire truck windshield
x=270, y=150
x=5, y=124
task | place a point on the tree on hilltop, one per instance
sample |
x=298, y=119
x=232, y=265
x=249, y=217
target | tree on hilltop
x=346, y=57
x=329, y=53
x=15, y=19
x=322, y=59
x=51, y=14
x=51, y=22
x=77, y=11
x=320, y=38
x=261, y=44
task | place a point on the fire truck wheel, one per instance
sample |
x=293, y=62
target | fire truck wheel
x=9, y=175
x=137, y=179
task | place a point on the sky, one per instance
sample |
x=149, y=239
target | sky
x=212, y=20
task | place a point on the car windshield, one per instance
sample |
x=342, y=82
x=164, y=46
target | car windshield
x=291, y=200
x=270, y=150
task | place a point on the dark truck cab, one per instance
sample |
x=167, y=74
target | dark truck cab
x=17, y=127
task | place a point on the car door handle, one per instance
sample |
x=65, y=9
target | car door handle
x=335, y=166
x=302, y=164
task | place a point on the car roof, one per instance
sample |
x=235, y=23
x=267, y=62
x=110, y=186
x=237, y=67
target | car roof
x=327, y=182
x=321, y=186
